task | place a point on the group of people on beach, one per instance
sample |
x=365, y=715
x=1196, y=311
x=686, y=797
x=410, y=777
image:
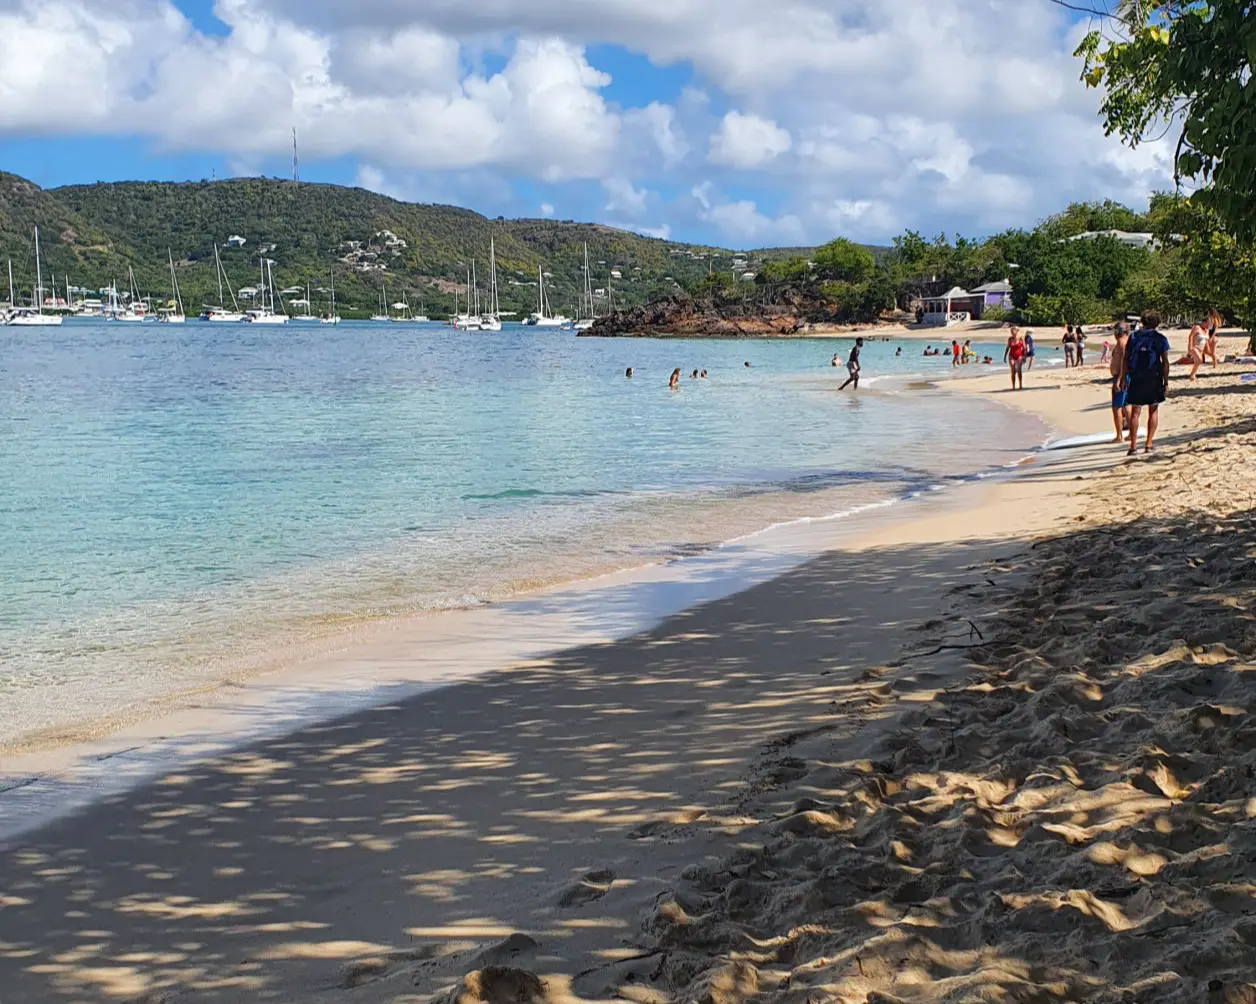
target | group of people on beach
x=1201, y=344
x=1074, y=346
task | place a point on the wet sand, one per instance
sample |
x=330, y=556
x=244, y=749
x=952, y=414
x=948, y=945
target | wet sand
x=1002, y=750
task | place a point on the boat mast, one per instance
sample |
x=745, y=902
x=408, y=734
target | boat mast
x=476, y=287
x=540, y=292
x=492, y=270
x=39, y=278
x=333, y=292
x=11, y=303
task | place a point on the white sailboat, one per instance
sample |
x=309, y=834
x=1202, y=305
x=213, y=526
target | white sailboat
x=543, y=318
x=266, y=313
x=584, y=321
x=175, y=315
x=220, y=314
x=470, y=321
x=308, y=317
x=383, y=315
x=333, y=317
x=23, y=317
x=491, y=320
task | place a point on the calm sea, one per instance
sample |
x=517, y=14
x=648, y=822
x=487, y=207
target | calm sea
x=181, y=503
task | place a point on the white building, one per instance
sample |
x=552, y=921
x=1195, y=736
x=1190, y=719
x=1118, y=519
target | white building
x=235, y=241
x=1133, y=240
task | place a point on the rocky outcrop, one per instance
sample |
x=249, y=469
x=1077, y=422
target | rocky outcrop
x=689, y=317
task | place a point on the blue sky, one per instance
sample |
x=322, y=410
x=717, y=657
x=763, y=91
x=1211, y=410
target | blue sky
x=723, y=121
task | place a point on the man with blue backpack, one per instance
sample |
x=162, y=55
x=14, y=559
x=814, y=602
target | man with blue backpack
x=1145, y=372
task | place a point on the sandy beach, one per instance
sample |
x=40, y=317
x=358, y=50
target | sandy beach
x=999, y=749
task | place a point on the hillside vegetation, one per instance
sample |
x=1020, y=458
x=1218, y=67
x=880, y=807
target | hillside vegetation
x=92, y=233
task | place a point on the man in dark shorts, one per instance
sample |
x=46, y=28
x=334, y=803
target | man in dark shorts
x=852, y=365
x=1145, y=374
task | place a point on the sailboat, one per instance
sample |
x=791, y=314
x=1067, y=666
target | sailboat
x=333, y=317
x=26, y=317
x=266, y=313
x=307, y=317
x=175, y=315
x=383, y=315
x=543, y=318
x=470, y=321
x=220, y=314
x=492, y=321
x=585, y=321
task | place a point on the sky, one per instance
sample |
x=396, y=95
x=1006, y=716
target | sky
x=745, y=123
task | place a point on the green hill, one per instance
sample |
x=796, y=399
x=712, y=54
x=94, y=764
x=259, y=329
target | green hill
x=92, y=233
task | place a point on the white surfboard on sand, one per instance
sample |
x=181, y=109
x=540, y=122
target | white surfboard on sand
x=1090, y=439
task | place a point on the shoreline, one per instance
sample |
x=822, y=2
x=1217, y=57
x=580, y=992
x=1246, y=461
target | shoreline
x=914, y=765
x=56, y=773
x=283, y=651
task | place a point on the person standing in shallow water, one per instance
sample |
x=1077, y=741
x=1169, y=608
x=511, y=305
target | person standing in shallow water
x=852, y=365
x=674, y=382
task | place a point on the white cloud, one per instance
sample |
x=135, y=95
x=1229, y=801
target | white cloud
x=747, y=141
x=622, y=197
x=547, y=209
x=950, y=114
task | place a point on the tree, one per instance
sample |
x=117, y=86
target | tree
x=844, y=261
x=1187, y=63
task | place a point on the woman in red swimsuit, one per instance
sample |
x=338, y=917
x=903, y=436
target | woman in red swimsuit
x=1014, y=356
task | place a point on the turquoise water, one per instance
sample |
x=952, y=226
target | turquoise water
x=183, y=503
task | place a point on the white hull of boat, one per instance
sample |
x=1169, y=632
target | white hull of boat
x=305, y=320
x=329, y=320
x=584, y=325
x=546, y=322
x=222, y=317
x=490, y=324
x=268, y=319
x=126, y=318
x=34, y=321
x=173, y=319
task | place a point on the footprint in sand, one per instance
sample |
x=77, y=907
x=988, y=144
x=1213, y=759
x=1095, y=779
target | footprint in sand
x=592, y=886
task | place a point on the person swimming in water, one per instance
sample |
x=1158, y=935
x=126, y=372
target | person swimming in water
x=628, y=372
x=703, y=375
x=836, y=360
x=746, y=364
x=693, y=375
x=674, y=382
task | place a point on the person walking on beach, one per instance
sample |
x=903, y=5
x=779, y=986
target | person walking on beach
x=852, y=365
x=1069, y=344
x=1120, y=384
x=1145, y=364
x=1014, y=356
x=674, y=382
x=1029, y=349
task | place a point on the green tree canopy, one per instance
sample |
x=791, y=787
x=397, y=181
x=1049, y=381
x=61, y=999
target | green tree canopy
x=1187, y=63
x=844, y=261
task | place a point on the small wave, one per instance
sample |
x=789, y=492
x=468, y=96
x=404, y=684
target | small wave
x=534, y=493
